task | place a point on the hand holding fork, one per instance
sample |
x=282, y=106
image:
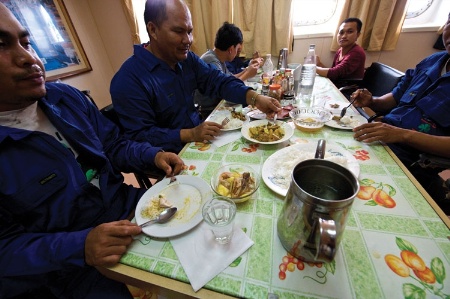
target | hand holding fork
x=353, y=97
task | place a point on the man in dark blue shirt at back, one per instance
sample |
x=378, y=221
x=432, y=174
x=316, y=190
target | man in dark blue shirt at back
x=153, y=92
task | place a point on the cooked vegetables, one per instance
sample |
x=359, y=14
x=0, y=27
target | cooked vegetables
x=267, y=133
x=235, y=184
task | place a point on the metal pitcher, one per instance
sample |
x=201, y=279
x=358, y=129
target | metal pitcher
x=282, y=58
x=312, y=221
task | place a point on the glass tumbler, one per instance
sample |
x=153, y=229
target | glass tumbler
x=219, y=214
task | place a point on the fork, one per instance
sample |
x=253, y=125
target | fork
x=172, y=179
x=225, y=121
x=274, y=121
x=344, y=110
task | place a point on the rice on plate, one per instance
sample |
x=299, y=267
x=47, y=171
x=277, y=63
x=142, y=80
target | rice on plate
x=277, y=169
x=286, y=164
x=234, y=123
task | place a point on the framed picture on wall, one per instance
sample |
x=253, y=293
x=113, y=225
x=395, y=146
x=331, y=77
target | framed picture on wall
x=52, y=36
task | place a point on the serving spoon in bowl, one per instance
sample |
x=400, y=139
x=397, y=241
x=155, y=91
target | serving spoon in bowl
x=165, y=216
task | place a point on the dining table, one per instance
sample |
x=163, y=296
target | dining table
x=396, y=244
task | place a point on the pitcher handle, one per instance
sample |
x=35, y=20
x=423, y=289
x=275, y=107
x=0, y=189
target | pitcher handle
x=326, y=242
x=320, y=149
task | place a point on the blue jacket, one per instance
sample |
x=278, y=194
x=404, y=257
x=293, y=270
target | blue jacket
x=47, y=206
x=423, y=98
x=155, y=102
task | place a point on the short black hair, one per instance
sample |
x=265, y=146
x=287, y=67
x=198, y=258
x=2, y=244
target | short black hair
x=155, y=12
x=356, y=20
x=228, y=35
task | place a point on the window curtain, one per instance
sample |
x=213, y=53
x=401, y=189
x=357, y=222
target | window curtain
x=207, y=17
x=127, y=6
x=265, y=24
x=382, y=22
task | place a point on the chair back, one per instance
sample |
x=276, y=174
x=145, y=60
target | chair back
x=111, y=114
x=381, y=79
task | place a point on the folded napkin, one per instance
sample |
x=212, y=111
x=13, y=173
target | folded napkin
x=203, y=258
x=226, y=137
x=297, y=72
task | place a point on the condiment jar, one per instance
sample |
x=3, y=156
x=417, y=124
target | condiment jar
x=275, y=91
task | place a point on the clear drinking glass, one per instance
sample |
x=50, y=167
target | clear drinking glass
x=219, y=214
x=306, y=100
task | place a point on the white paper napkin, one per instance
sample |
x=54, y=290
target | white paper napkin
x=297, y=72
x=203, y=258
x=226, y=137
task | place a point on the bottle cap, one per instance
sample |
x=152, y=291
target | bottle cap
x=274, y=86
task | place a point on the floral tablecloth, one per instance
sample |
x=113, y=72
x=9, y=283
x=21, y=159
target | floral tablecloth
x=394, y=245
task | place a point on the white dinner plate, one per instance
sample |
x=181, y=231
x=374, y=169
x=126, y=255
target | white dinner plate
x=188, y=194
x=220, y=115
x=277, y=169
x=356, y=120
x=288, y=131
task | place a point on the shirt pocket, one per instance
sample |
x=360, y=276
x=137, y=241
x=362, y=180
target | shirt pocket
x=408, y=97
x=28, y=194
x=436, y=106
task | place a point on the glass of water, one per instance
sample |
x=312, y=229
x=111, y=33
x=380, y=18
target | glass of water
x=219, y=214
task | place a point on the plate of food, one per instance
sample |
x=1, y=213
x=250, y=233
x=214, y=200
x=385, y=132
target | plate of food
x=348, y=122
x=277, y=169
x=282, y=114
x=188, y=194
x=266, y=132
x=236, y=119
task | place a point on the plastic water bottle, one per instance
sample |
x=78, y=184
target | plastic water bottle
x=268, y=65
x=308, y=74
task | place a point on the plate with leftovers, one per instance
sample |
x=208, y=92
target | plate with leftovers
x=348, y=122
x=282, y=114
x=277, y=169
x=266, y=132
x=188, y=194
x=236, y=119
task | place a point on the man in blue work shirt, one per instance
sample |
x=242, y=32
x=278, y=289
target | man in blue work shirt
x=416, y=118
x=154, y=89
x=63, y=204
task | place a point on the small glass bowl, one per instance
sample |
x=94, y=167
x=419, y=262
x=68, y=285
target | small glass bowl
x=232, y=171
x=310, y=119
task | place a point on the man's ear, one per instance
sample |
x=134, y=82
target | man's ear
x=151, y=30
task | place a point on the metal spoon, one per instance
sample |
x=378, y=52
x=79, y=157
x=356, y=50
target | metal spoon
x=162, y=218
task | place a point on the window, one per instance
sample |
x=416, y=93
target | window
x=321, y=17
x=312, y=12
x=316, y=17
x=417, y=7
x=139, y=8
x=426, y=14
